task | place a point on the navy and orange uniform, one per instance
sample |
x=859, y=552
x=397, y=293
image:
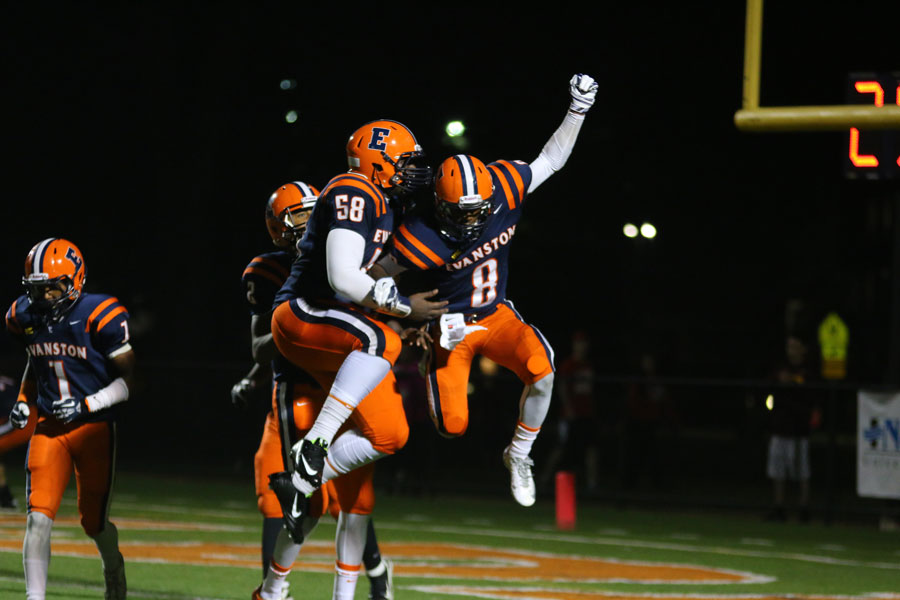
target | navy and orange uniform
x=69, y=358
x=11, y=437
x=472, y=277
x=316, y=329
x=296, y=398
x=349, y=201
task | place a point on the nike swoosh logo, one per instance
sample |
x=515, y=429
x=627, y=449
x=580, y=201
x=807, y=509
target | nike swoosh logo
x=306, y=466
x=496, y=210
x=74, y=322
x=294, y=512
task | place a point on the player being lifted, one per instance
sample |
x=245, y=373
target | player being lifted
x=80, y=364
x=462, y=249
x=323, y=322
x=296, y=397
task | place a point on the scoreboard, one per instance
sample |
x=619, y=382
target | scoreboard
x=873, y=154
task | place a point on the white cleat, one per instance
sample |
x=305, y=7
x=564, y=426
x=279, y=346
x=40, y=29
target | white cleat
x=521, y=480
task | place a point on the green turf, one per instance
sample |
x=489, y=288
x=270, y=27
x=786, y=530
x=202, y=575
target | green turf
x=796, y=559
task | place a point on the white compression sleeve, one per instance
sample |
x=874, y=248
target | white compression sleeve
x=556, y=151
x=115, y=392
x=344, y=250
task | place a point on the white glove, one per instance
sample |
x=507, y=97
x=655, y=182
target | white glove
x=69, y=409
x=454, y=330
x=19, y=414
x=387, y=297
x=583, y=89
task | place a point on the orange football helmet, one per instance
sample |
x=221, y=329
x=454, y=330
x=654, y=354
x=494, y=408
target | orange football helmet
x=287, y=212
x=462, y=193
x=57, y=264
x=387, y=153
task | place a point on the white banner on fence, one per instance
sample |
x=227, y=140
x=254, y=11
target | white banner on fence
x=878, y=446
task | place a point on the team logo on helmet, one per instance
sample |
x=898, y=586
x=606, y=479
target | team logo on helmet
x=387, y=153
x=54, y=277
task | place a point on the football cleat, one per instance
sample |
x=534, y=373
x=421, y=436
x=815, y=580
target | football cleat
x=285, y=592
x=294, y=504
x=382, y=587
x=521, y=480
x=116, y=588
x=309, y=462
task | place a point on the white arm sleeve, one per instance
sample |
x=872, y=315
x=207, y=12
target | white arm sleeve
x=556, y=151
x=344, y=251
x=115, y=392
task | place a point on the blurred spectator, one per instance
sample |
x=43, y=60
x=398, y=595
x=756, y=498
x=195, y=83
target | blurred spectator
x=649, y=413
x=577, y=425
x=793, y=415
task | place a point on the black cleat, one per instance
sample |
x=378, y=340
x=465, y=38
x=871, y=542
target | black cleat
x=382, y=587
x=309, y=461
x=294, y=505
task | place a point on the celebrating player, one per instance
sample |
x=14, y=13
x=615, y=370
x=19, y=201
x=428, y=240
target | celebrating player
x=462, y=249
x=323, y=321
x=79, y=369
x=296, y=397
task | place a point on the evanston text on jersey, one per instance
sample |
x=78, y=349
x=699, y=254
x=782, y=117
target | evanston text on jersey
x=57, y=349
x=483, y=250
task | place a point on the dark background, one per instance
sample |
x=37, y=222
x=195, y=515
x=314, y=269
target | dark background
x=152, y=138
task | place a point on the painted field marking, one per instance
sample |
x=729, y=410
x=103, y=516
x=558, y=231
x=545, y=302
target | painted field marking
x=532, y=593
x=757, y=542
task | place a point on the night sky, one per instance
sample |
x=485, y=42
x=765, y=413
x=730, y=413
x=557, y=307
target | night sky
x=152, y=138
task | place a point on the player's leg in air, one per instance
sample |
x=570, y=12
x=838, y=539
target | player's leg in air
x=349, y=468
x=510, y=342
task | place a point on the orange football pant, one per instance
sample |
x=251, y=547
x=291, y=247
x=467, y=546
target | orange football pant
x=55, y=449
x=507, y=340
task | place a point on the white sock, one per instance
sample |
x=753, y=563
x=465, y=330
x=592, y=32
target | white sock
x=283, y=556
x=350, y=450
x=359, y=374
x=108, y=545
x=533, y=407
x=36, y=554
x=349, y=542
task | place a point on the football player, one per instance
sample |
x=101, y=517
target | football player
x=79, y=370
x=462, y=249
x=296, y=397
x=324, y=320
x=11, y=437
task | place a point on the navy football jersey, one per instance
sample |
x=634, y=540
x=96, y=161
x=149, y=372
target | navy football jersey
x=262, y=279
x=349, y=201
x=69, y=358
x=472, y=278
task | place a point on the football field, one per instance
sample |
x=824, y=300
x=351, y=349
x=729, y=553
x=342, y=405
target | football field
x=188, y=538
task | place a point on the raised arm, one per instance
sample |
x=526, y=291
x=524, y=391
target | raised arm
x=583, y=90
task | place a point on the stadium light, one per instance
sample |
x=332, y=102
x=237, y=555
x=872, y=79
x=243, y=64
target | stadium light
x=455, y=129
x=770, y=402
x=291, y=116
x=287, y=84
x=648, y=231
x=630, y=230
